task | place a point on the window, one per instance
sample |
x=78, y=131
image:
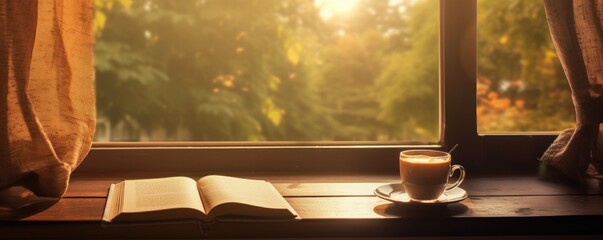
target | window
x=268, y=70
x=521, y=84
x=457, y=71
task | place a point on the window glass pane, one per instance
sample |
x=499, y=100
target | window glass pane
x=521, y=85
x=267, y=70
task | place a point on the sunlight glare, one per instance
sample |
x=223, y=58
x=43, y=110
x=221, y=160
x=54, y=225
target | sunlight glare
x=328, y=8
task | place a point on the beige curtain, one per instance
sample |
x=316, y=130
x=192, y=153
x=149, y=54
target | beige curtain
x=47, y=102
x=577, y=31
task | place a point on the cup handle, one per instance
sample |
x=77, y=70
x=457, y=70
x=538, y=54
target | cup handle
x=461, y=176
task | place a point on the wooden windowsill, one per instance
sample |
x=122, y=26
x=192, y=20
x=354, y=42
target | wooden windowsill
x=344, y=206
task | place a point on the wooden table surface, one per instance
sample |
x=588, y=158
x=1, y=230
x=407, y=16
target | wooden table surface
x=343, y=206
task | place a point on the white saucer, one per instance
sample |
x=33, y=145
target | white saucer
x=394, y=192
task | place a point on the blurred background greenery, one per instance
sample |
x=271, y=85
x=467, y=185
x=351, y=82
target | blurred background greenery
x=312, y=70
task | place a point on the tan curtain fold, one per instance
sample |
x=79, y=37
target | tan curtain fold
x=47, y=102
x=577, y=31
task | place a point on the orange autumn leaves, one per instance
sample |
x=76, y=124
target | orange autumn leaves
x=495, y=112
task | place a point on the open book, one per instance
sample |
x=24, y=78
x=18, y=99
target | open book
x=179, y=198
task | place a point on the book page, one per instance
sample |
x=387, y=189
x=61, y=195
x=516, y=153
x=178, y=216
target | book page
x=112, y=204
x=236, y=196
x=160, y=194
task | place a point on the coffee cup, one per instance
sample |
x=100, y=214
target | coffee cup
x=425, y=174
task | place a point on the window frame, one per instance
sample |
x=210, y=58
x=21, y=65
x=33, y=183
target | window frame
x=509, y=152
x=458, y=71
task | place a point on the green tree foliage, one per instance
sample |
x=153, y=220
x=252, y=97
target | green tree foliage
x=408, y=84
x=214, y=68
x=358, y=43
x=521, y=84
